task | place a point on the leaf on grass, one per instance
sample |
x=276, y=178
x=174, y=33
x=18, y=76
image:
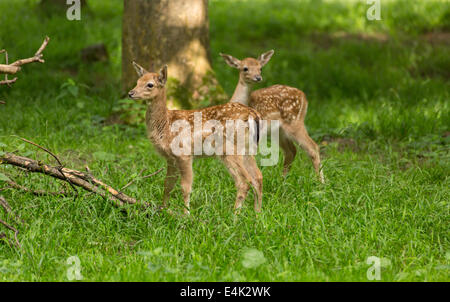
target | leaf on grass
x=252, y=258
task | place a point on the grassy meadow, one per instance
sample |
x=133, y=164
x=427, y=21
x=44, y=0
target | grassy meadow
x=378, y=96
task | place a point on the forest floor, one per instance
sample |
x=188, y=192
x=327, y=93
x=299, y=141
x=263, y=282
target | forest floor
x=378, y=96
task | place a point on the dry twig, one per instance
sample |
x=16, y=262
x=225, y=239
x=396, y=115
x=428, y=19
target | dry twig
x=57, y=159
x=15, y=67
x=77, y=178
x=7, y=209
x=14, y=185
x=8, y=82
x=140, y=173
x=16, y=232
x=5, y=205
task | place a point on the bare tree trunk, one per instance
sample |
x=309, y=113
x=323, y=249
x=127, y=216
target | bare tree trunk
x=173, y=32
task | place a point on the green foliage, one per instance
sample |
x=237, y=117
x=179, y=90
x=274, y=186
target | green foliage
x=209, y=93
x=131, y=112
x=178, y=94
x=378, y=105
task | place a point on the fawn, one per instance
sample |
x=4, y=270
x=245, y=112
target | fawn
x=160, y=123
x=277, y=102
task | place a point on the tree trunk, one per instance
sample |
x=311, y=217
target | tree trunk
x=176, y=33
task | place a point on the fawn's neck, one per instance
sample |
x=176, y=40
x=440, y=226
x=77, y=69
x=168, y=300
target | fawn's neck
x=157, y=119
x=241, y=93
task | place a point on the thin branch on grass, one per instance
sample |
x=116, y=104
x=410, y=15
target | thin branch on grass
x=42, y=148
x=7, y=208
x=154, y=173
x=131, y=182
x=16, y=232
x=57, y=159
x=5, y=205
x=140, y=173
x=77, y=178
x=14, y=185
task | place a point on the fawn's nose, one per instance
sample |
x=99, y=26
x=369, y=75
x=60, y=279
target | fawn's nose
x=258, y=78
x=131, y=93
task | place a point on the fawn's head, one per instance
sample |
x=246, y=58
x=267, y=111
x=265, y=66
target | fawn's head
x=250, y=68
x=149, y=85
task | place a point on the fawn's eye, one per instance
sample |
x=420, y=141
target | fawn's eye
x=150, y=85
x=245, y=69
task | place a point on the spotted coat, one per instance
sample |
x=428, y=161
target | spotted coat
x=279, y=102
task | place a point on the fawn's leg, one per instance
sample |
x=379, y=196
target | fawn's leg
x=169, y=182
x=242, y=187
x=289, y=151
x=185, y=167
x=257, y=180
x=297, y=131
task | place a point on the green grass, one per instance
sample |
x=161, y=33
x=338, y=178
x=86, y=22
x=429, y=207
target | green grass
x=378, y=105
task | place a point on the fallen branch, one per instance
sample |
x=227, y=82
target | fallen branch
x=8, y=210
x=8, y=82
x=16, y=232
x=9, y=69
x=5, y=205
x=77, y=178
x=15, y=67
x=140, y=173
x=14, y=185
x=57, y=159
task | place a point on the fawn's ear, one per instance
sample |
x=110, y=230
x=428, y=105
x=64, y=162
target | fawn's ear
x=265, y=57
x=230, y=60
x=139, y=69
x=162, y=77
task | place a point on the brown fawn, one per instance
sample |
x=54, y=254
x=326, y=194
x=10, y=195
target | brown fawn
x=278, y=102
x=160, y=124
